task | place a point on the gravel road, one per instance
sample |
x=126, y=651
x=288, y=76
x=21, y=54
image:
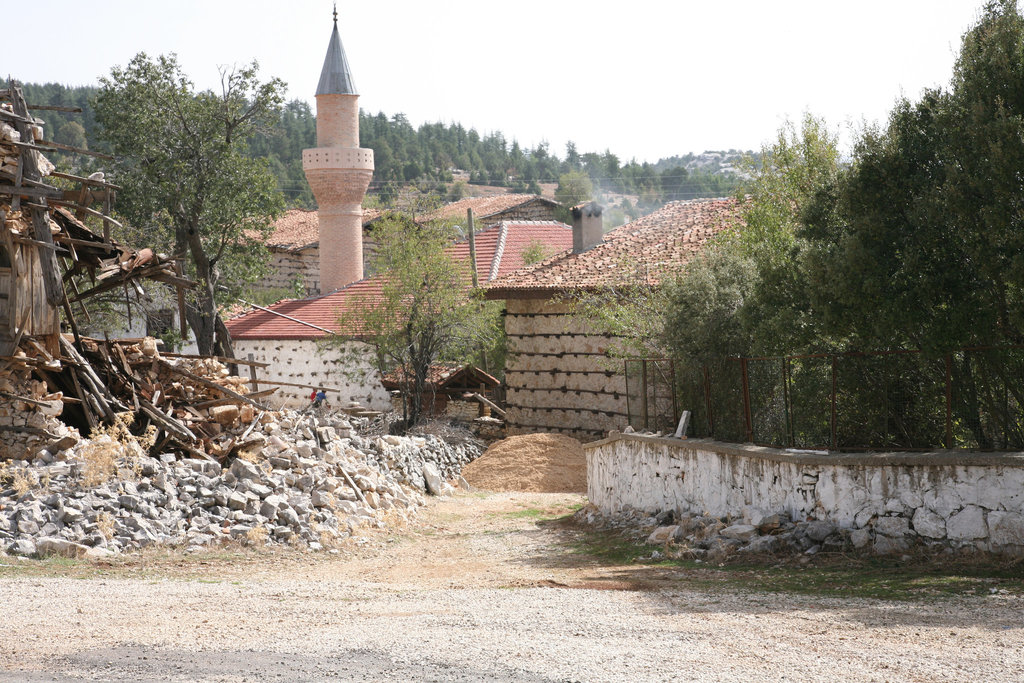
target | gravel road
x=478, y=590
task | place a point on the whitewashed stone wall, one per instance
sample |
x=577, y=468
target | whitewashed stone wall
x=288, y=266
x=962, y=498
x=558, y=375
x=303, y=362
x=304, y=265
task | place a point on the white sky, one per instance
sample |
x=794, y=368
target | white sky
x=645, y=79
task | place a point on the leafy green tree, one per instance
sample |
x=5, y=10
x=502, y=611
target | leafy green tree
x=183, y=166
x=574, y=188
x=425, y=313
x=922, y=245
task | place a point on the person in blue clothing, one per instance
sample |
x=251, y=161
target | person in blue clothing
x=319, y=398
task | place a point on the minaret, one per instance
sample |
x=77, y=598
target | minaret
x=338, y=171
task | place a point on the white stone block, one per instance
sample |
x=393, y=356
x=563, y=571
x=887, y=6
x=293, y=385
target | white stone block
x=928, y=524
x=967, y=524
x=1006, y=528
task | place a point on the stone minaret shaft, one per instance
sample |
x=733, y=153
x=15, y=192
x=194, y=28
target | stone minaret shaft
x=338, y=171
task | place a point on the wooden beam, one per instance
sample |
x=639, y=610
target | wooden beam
x=33, y=192
x=490, y=404
x=61, y=237
x=91, y=212
x=13, y=177
x=87, y=181
x=55, y=107
x=228, y=400
x=47, y=257
x=222, y=359
x=301, y=386
x=208, y=383
x=167, y=423
x=76, y=150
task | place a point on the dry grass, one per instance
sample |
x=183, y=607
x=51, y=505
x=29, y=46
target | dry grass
x=113, y=450
x=21, y=479
x=257, y=535
x=105, y=524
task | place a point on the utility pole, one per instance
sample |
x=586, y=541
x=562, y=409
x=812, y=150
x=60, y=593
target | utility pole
x=472, y=267
x=472, y=246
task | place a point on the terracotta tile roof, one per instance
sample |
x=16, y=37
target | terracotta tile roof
x=483, y=207
x=663, y=240
x=298, y=229
x=499, y=252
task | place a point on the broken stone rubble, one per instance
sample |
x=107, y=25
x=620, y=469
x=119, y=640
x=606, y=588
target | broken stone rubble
x=309, y=481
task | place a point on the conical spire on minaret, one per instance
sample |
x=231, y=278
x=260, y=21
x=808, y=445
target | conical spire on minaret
x=338, y=171
x=336, y=76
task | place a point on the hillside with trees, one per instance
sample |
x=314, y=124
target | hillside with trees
x=433, y=157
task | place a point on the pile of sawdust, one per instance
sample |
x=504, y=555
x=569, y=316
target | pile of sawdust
x=535, y=463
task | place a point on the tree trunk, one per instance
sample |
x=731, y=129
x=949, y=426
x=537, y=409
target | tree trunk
x=204, y=324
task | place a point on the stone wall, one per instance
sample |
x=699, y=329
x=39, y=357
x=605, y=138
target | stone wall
x=288, y=266
x=533, y=210
x=454, y=409
x=301, y=362
x=962, y=499
x=558, y=375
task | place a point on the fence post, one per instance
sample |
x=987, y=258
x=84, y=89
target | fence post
x=675, y=390
x=949, y=400
x=707, y=401
x=835, y=445
x=786, y=402
x=746, y=402
x=643, y=389
x=629, y=404
x=252, y=374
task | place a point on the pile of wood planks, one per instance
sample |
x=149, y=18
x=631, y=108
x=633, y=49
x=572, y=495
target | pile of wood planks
x=52, y=264
x=194, y=404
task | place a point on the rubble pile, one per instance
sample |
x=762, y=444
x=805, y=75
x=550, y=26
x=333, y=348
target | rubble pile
x=305, y=480
x=713, y=539
x=29, y=412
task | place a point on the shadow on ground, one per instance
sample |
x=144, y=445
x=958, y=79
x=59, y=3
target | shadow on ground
x=863, y=587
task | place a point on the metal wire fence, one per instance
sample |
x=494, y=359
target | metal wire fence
x=902, y=400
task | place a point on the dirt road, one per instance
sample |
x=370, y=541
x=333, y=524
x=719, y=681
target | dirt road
x=484, y=588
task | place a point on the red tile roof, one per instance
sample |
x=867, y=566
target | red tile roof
x=483, y=207
x=499, y=252
x=298, y=229
x=654, y=244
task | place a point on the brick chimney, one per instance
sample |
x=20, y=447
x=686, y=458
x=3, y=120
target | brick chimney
x=587, y=226
x=338, y=171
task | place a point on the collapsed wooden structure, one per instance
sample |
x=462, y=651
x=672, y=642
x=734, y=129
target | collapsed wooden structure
x=51, y=264
x=446, y=385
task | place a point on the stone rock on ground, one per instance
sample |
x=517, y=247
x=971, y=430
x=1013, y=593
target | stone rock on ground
x=740, y=532
x=59, y=546
x=303, y=483
x=819, y=530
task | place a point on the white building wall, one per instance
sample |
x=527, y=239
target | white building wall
x=972, y=498
x=303, y=362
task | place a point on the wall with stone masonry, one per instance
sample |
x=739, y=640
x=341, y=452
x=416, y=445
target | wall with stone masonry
x=558, y=375
x=530, y=211
x=961, y=499
x=302, y=362
x=288, y=266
